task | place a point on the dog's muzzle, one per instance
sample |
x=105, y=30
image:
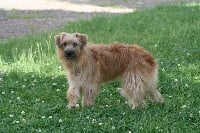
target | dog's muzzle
x=69, y=54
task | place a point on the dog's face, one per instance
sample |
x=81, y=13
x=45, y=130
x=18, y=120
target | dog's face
x=71, y=44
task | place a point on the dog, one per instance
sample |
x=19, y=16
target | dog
x=88, y=66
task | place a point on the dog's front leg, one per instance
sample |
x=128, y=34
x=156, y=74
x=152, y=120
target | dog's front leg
x=89, y=95
x=73, y=96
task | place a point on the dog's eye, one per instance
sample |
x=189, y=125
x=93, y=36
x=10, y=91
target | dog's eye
x=75, y=44
x=64, y=44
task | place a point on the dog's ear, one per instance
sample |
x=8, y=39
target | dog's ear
x=83, y=39
x=57, y=40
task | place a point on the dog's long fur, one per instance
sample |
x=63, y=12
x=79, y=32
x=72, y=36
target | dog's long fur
x=92, y=65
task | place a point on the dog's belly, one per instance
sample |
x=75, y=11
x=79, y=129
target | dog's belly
x=111, y=71
x=108, y=77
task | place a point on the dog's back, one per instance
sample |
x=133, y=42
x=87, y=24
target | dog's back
x=113, y=60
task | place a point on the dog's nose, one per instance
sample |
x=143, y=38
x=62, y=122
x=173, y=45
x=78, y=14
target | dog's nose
x=70, y=54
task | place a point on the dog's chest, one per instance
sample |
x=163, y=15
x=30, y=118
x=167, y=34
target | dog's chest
x=76, y=71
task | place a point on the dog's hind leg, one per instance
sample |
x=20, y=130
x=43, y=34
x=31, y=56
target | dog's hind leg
x=73, y=96
x=152, y=92
x=133, y=89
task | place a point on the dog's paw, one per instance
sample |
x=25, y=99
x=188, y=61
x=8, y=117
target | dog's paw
x=72, y=106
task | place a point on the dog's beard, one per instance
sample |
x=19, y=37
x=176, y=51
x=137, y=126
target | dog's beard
x=71, y=57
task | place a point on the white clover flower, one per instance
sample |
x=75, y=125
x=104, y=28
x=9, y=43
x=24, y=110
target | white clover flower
x=119, y=88
x=77, y=105
x=11, y=115
x=37, y=100
x=43, y=117
x=2, y=92
x=54, y=83
x=94, y=120
x=42, y=101
x=100, y=124
x=163, y=69
x=12, y=92
x=18, y=98
x=23, y=86
x=184, y=106
x=175, y=80
x=186, y=85
x=60, y=120
x=24, y=120
x=87, y=117
x=129, y=131
x=39, y=130
x=17, y=122
x=58, y=90
x=17, y=81
x=178, y=64
x=50, y=117
x=25, y=80
x=113, y=127
x=22, y=112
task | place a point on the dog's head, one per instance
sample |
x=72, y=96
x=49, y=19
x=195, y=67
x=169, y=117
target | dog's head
x=71, y=44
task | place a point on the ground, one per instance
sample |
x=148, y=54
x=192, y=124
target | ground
x=33, y=84
x=29, y=17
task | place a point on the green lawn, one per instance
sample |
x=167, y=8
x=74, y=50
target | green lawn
x=33, y=84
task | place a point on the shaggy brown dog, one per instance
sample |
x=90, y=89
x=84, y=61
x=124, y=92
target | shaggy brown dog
x=89, y=66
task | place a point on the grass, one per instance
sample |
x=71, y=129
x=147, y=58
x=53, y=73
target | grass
x=33, y=84
x=13, y=14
